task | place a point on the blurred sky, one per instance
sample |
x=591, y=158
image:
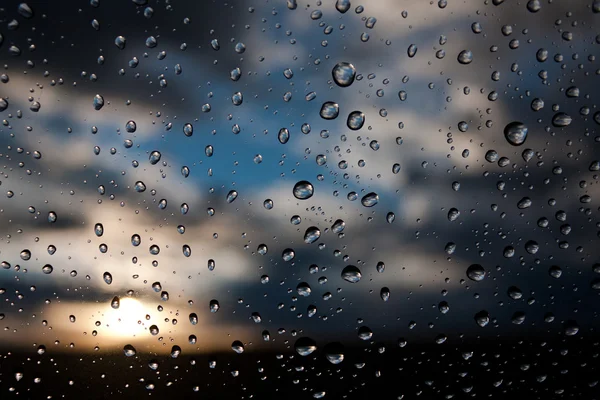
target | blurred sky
x=59, y=53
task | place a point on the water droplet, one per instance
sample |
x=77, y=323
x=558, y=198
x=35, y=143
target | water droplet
x=534, y=6
x=537, y=104
x=237, y=346
x=98, y=102
x=482, y=318
x=25, y=11
x=237, y=98
x=515, y=133
x=316, y=14
x=154, y=250
x=115, y=303
x=288, y=254
x=303, y=190
x=555, y=271
x=390, y=217
x=343, y=74
x=305, y=346
x=342, y=5
x=107, y=278
x=476, y=273
x=283, y=136
x=311, y=235
x=412, y=50
x=25, y=255
x=524, y=203
x=188, y=130
x=338, y=226
x=365, y=333
x=351, y=274
x=370, y=199
x=356, y=120
x=140, y=187
x=384, y=293
x=334, y=352
x=329, y=110
x=571, y=328
x=99, y=229
x=303, y=289
x=129, y=350
x=453, y=214
x=235, y=74
x=560, y=120
x=231, y=196
x=515, y=293
x=465, y=57
x=527, y=155
x=518, y=318
x=240, y=48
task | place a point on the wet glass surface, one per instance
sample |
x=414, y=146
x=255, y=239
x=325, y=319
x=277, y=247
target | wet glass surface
x=290, y=199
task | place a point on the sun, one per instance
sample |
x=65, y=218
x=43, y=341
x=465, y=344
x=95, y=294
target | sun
x=128, y=319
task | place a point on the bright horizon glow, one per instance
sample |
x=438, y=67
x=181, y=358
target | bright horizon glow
x=127, y=320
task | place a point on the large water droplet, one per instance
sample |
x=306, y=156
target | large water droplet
x=120, y=42
x=356, y=120
x=129, y=350
x=560, y=120
x=288, y=254
x=365, y=333
x=154, y=157
x=231, y=196
x=99, y=229
x=343, y=74
x=237, y=346
x=370, y=199
x=334, y=352
x=115, y=303
x=303, y=190
x=534, y=6
x=338, y=226
x=329, y=110
x=342, y=5
x=312, y=235
x=476, y=273
x=412, y=50
x=515, y=133
x=188, y=129
x=351, y=274
x=140, y=187
x=465, y=57
x=237, y=98
x=384, y=293
x=305, y=346
x=453, y=214
x=25, y=11
x=283, y=136
x=482, y=318
x=98, y=102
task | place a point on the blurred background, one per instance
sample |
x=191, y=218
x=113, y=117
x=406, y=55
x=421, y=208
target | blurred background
x=156, y=240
